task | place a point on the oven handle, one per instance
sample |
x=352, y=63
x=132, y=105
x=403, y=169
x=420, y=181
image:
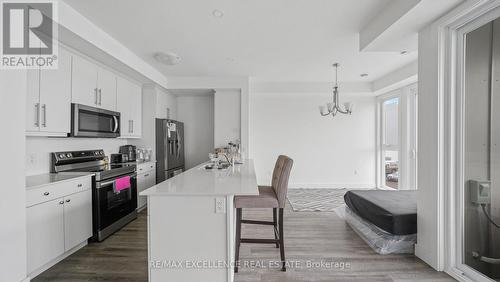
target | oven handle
x=99, y=185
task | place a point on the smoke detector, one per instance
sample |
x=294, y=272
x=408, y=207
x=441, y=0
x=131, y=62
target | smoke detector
x=167, y=58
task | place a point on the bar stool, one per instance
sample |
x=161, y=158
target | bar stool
x=272, y=197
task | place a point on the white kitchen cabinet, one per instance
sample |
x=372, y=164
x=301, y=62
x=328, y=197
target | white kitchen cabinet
x=92, y=85
x=145, y=180
x=59, y=218
x=129, y=104
x=45, y=233
x=49, y=99
x=77, y=219
x=84, y=85
x=106, y=84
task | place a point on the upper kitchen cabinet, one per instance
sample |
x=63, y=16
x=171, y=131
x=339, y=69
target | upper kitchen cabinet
x=92, y=85
x=129, y=102
x=49, y=98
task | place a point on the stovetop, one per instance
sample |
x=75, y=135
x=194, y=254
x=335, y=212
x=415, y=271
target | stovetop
x=89, y=161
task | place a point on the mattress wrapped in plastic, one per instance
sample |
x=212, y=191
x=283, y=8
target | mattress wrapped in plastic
x=379, y=240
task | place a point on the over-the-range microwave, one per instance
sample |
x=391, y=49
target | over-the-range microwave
x=88, y=121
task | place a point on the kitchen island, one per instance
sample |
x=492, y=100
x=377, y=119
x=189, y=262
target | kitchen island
x=191, y=223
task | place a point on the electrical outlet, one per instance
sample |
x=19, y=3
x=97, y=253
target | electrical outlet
x=32, y=159
x=220, y=205
x=480, y=192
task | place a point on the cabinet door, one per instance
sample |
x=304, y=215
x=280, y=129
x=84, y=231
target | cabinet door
x=136, y=98
x=106, y=83
x=84, y=82
x=141, y=186
x=55, y=96
x=124, y=106
x=33, y=101
x=45, y=233
x=77, y=218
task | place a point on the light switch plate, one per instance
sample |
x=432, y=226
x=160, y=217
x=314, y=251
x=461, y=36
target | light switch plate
x=220, y=205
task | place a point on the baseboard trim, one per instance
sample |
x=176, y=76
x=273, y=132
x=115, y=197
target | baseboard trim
x=331, y=186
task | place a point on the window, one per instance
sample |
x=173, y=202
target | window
x=390, y=142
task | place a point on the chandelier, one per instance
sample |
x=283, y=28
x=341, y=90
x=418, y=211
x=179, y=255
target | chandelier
x=333, y=108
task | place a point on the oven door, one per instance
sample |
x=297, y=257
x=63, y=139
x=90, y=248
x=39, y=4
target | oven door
x=111, y=206
x=93, y=122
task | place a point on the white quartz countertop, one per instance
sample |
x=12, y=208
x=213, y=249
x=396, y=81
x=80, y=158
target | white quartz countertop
x=36, y=181
x=236, y=180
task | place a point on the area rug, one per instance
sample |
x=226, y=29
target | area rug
x=321, y=200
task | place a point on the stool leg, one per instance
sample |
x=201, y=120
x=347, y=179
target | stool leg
x=282, y=237
x=275, y=221
x=238, y=240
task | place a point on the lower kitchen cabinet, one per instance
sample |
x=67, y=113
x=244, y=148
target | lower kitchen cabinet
x=45, y=232
x=145, y=180
x=55, y=226
x=77, y=219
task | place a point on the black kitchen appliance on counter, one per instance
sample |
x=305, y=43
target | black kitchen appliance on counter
x=169, y=149
x=130, y=151
x=111, y=208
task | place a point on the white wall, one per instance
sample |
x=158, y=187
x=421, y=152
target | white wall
x=38, y=149
x=327, y=152
x=197, y=114
x=227, y=116
x=12, y=202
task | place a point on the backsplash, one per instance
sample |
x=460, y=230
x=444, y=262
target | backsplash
x=38, y=149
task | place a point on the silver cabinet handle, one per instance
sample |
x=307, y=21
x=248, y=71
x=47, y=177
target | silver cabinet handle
x=37, y=113
x=132, y=126
x=46, y=193
x=129, y=126
x=44, y=111
x=100, y=97
x=68, y=200
x=95, y=96
x=61, y=202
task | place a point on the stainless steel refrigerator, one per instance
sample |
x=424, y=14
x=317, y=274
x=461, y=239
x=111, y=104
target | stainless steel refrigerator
x=169, y=148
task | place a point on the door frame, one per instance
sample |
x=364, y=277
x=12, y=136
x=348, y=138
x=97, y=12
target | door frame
x=450, y=31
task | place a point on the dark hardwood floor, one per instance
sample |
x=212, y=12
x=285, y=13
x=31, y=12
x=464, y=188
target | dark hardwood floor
x=309, y=237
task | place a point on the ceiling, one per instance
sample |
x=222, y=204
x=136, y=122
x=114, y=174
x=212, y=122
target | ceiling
x=269, y=40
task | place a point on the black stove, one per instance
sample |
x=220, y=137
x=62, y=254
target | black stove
x=111, y=208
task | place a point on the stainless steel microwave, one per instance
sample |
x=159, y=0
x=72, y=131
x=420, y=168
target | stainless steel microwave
x=94, y=122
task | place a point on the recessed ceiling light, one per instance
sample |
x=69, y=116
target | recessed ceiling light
x=218, y=13
x=363, y=75
x=167, y=58
x=404, y=52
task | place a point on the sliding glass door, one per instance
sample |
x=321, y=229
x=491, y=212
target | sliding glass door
x=479, y=173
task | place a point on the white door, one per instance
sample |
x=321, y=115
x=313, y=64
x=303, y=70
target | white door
x=55, y=96
x=77, y=218
x=33, y=101
x=45, y=233
x=84, y=82
x=106, y=82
